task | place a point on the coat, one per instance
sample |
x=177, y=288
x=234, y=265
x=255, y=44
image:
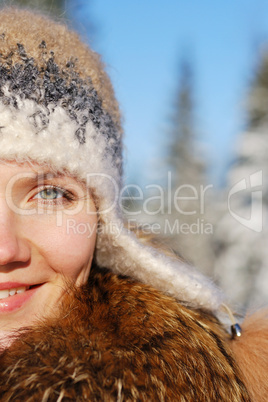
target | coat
x=119, y=340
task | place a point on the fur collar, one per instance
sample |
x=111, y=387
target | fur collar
x=119, y=340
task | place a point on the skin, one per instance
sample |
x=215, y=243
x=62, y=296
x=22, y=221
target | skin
x=38, y=245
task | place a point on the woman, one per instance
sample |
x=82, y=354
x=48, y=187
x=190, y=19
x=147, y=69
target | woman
x=90, y=311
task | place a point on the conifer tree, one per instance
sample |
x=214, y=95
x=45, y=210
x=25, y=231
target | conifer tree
x=187, y=165
x=242, y=233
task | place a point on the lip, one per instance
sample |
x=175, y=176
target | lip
x=12, y=285
x=13, y=303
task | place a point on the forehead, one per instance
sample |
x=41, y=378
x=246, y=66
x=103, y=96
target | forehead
x=30, y=167
x=31, y=171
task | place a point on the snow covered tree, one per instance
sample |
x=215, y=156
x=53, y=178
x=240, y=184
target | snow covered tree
x=187, y=165
x=241, y=237
x=182, y=218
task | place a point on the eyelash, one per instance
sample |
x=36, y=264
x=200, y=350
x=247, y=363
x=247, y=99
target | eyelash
x=66, y=196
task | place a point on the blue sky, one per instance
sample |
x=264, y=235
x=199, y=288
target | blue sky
x=142, y=42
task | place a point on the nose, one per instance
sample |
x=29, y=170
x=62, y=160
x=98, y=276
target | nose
x=13, y=246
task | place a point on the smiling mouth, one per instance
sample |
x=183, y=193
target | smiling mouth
x=5, y=293
x=15, y=296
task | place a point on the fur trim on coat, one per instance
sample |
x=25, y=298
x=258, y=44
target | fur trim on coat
x=119, y=340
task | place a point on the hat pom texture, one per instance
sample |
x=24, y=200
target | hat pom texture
x=57, y=107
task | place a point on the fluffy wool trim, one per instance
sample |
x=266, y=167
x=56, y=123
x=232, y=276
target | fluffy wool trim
x=55, y=146
x=118, y=340
x=251, y=353
x=126, y=254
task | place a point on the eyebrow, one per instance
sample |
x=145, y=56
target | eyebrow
x=43, y=176
x=48, y=175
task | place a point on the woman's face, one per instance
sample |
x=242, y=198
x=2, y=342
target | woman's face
x=47, y=237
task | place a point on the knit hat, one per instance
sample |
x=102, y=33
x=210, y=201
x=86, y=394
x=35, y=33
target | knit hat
x=57, y=107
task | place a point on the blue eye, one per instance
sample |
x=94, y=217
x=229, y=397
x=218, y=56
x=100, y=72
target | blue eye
x=50, y=193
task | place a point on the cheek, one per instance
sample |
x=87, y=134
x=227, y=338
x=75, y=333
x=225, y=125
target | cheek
x=67, y=247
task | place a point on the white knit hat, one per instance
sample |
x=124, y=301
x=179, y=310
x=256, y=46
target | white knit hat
x=57, y=107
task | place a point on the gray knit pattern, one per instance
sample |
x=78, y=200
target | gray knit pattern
x=51, y=86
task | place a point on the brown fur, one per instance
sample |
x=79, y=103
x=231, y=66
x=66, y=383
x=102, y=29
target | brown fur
x=119, y=340
x=251, y=352
x=29, y=29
